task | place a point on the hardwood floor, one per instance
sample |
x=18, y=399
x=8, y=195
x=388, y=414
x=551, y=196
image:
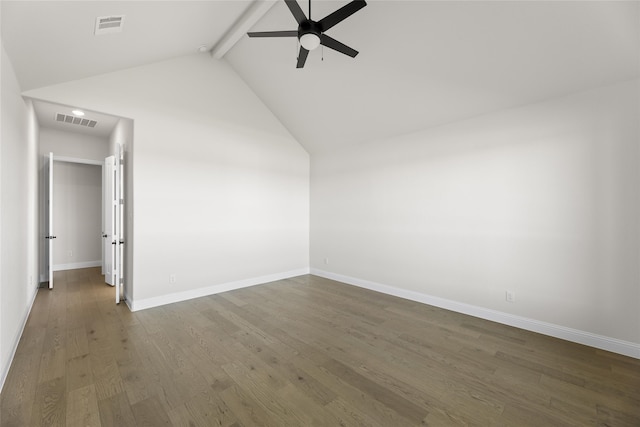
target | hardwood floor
x=299, y=352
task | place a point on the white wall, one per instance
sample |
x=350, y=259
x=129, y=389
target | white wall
x=542, y=200
x=73, y=144
x=221, y=189
x=77, y=215
x=122, y=134
x=18, y=201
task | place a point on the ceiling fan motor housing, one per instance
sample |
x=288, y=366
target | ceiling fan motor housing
x=309, y=27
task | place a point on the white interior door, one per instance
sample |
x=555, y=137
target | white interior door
x=108, y=236
x=113, y=219
x=50, y=232
x=118, y=223
x=103, y=226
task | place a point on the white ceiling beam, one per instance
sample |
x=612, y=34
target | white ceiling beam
x=252, y=15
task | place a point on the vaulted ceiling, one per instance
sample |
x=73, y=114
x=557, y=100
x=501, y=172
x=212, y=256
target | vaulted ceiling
x=421, y=63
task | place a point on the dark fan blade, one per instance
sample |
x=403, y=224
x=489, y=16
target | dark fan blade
x=294, y=7
x=336, y=45
x=302, y=57
x=341, y=14
x=293, y=33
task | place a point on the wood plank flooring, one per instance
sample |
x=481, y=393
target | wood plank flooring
x=300, y=352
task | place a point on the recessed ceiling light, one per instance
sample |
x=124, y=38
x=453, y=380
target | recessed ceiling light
x=78, y=113
x=204, y=48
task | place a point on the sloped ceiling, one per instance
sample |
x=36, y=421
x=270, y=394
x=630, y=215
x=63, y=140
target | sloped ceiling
x=421, y=63
x=425, y=63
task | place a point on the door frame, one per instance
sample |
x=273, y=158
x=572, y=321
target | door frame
x=47, y=208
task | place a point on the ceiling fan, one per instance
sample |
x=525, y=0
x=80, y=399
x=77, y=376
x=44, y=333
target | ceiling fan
x=311, y=33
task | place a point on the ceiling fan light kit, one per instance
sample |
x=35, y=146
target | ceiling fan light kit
x=310, y=41
x=311, y=34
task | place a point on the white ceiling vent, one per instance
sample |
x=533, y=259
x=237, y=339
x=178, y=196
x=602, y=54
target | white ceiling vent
x=109, y=24
x=72, y=120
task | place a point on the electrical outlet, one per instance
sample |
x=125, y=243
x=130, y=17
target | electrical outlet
x=510, y=296
x=70, y=254
x=172, y=279
x=326, y=261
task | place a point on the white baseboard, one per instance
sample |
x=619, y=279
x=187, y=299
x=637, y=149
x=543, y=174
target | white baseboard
x=614, y=345
x=76, y=265
x=143, y=304
x=4, y=370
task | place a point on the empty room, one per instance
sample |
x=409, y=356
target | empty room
x=320, y=213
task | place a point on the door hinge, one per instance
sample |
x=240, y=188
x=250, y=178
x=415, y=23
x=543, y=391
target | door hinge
x=122, y=281
x=122, y=201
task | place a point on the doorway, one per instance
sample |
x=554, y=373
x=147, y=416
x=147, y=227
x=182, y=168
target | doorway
x=82, y=216
x=85, y=139
x=77, y=214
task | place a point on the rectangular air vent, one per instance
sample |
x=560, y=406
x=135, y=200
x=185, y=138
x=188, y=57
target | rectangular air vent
x=109, y=24
x=65, y=118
